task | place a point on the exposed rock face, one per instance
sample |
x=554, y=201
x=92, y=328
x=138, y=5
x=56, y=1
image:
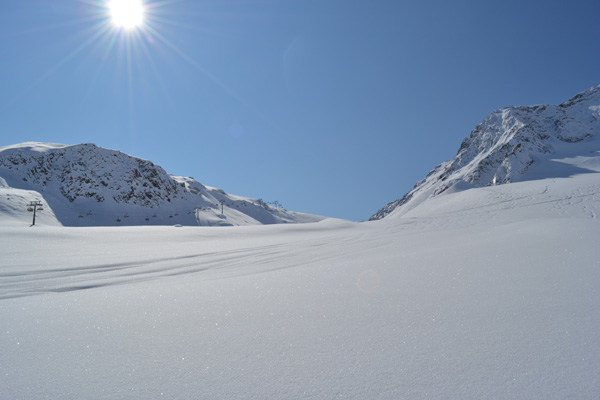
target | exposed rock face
x=88, y=171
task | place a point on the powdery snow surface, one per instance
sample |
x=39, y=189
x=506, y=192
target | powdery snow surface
x=487, y=293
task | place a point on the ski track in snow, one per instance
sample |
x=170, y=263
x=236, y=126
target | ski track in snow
x=212, y=265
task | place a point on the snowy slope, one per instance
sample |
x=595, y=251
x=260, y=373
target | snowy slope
x=85, y=185
x=486, y=293
x=513, y=144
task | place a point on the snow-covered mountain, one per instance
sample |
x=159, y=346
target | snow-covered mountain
x=514, y=144
x=86, y=185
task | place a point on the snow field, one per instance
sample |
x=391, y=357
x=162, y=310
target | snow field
x=485, y=293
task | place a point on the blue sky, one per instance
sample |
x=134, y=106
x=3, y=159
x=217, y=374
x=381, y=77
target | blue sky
x=330, y=107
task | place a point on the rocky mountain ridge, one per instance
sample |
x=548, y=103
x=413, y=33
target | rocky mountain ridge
x=89, y=185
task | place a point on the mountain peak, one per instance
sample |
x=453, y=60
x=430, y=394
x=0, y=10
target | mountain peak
x=85, y=185
x=510, y=144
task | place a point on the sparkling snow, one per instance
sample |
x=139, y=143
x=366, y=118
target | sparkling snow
x=484, y=293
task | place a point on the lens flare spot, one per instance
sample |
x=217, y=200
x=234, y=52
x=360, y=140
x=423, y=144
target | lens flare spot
x=368, y=281
x=236, y=131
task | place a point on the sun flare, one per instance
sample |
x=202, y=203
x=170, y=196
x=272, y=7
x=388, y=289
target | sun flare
x=126, y=14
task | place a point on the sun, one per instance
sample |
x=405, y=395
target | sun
x=126, y=14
